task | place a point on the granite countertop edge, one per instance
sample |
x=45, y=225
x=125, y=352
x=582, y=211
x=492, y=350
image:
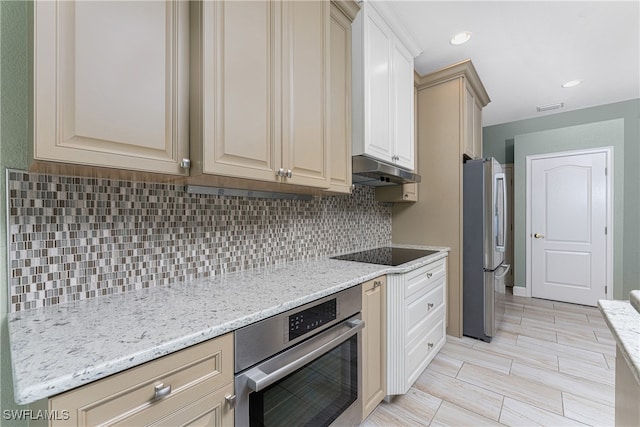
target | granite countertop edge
x=623, y=320
x=58, y=348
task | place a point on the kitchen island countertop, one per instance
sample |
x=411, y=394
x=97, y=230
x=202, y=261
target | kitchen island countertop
x=623, y=320
x=55, y=349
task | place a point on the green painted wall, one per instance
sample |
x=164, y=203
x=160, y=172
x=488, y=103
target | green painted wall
x=616, y=125
x=15, y=107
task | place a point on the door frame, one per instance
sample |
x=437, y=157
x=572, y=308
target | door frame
x=608, y=151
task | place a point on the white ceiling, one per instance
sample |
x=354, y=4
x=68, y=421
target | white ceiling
x=525, y=50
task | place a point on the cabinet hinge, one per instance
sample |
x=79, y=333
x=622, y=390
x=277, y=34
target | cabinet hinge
x=605, y=231
x=606, y=171
x=606, y=289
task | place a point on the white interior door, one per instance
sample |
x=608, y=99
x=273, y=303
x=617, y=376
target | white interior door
x=568, y=212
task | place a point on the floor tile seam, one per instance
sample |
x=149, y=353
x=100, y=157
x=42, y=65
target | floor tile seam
x=572, y=418
x=482, y=352
x=591, y=379
x=437, y=410
x=577, y=355
x=471, y=410
x=561, y=389
x=493, y=391
x=587, y=349
x=514, y=358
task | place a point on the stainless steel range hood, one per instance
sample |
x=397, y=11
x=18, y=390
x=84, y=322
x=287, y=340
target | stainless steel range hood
x=375, y=173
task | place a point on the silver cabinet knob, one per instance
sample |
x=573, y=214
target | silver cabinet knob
x=538, y=236
x=430, y=345
x=161, y=391
x=231, y=400
x=429, y=275
x=185, y=163
x=429, y=306
x=280, y=172
x=289, y=173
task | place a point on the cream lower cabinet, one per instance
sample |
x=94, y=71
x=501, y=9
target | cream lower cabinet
x=111, y=84
x=186, y=388
x=260, y=90
x=416, y=309
x=373, y=344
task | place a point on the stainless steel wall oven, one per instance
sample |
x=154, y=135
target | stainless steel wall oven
x=302, y=367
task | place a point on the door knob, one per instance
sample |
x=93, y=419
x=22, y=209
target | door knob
x=538, y=236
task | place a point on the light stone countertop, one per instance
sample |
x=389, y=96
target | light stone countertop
x=623, y=320
x=55, y=349
x=634, y=299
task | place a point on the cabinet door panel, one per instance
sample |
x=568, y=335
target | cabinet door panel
x=340, y=102
x=237, y=84
x=373, y=344
x=378, y=97
x=477, y=130
x=111, y=87
x=469, y=131
x=305, y=90
x=404, y=104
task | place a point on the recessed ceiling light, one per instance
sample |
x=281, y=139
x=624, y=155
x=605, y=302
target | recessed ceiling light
x=460, y=38
x=572, y=83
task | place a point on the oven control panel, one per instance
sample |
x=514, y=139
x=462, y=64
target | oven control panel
x=312, y=318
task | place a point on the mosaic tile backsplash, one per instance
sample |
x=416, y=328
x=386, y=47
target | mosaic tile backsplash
x=74, y=238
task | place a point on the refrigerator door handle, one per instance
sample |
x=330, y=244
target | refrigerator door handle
x=500, y=215
x=506, y=267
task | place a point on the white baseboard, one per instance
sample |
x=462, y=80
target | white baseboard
x=520, y=291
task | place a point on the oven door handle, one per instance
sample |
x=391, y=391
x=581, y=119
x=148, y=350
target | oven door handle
x=258, y=380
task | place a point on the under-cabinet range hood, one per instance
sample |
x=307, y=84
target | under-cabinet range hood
x=375, y=173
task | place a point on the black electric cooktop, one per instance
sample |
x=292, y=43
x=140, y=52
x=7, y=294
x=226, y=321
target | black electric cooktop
x=386, y=255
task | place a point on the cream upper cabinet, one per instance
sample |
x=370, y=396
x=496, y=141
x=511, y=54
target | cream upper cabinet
x=260, y=90
x=382, y=90
x=472, y=117
x=111, y=84
x=340, y=162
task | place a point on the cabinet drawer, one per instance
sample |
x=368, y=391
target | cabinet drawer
x=421, y=279
x=420, y=352
x=211, y=410
x=191, y=374
x=421, y=308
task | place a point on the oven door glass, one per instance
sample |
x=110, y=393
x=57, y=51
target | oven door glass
x=314, y=395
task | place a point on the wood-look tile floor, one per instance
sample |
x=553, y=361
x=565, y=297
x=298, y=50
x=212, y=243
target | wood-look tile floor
x=551, y=364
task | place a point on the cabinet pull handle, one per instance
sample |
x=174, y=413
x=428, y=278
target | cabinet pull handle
x=430, y=345
x=185, y=164
x=376, y=284
x=429, y=306
x=429, y=275
x=161, y=391
x=231, y=400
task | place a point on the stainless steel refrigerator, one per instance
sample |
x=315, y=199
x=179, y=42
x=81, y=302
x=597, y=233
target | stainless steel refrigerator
x=484, y=242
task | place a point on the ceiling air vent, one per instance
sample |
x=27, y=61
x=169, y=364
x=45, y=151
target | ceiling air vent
x=550, y=107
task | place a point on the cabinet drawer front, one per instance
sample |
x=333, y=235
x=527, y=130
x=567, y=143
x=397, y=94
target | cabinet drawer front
x=419, y=310
x=420, y=352
x=191, y=373
x=210, y=410
x=423, y=278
